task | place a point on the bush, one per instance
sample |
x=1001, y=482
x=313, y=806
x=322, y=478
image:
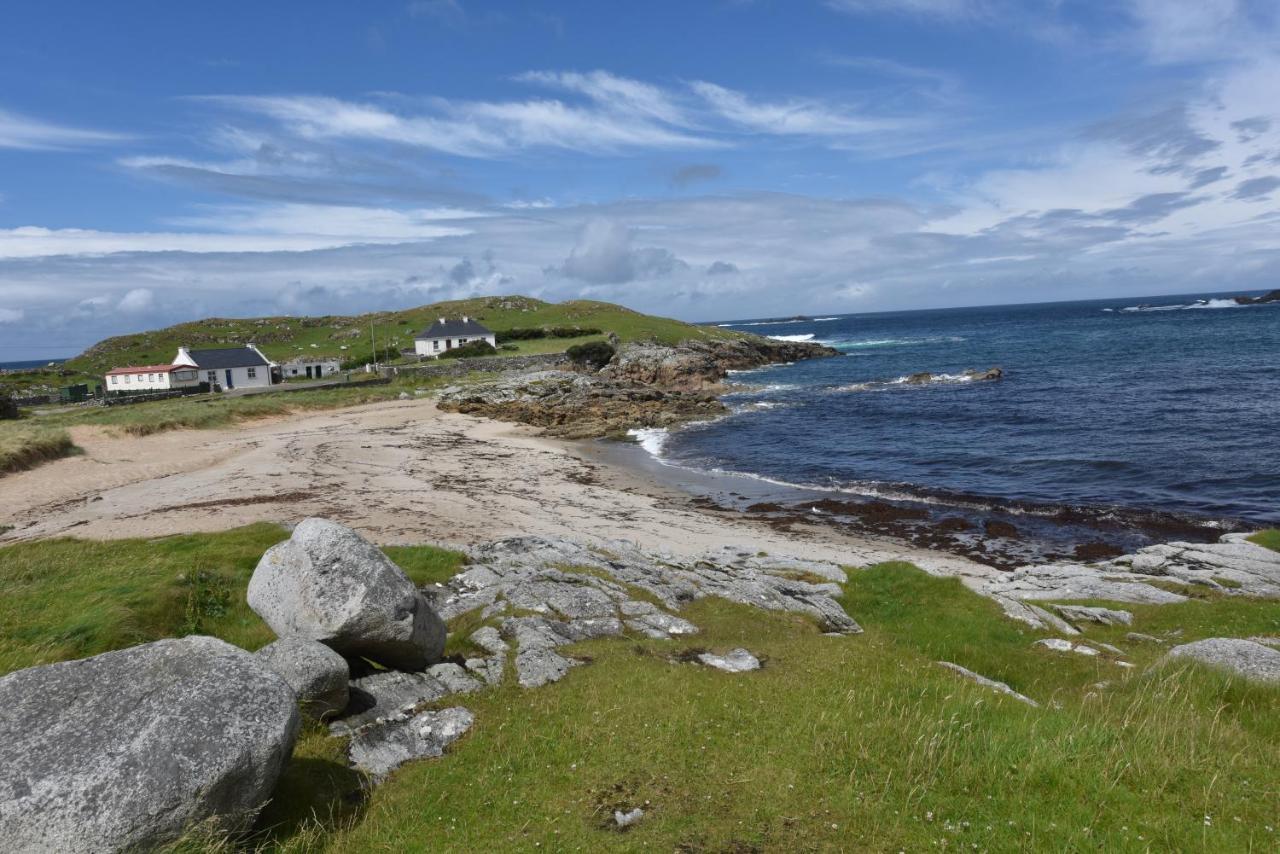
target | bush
x=470, y=350
x=8, y=409
x=532, y=333
x=593, y=354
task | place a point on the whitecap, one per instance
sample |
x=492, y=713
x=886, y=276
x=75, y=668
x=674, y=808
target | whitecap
x=808, y=336
x=651, y=439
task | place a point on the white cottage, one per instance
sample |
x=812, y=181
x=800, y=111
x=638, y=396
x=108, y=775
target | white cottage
x=152, y=378
x=447, y=333
x=229, y=367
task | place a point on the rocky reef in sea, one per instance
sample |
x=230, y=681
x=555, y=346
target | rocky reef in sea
x=201, y=729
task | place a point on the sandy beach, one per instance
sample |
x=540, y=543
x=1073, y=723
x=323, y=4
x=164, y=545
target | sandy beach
x=400, y=472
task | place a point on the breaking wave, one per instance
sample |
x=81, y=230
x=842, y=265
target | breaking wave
x=808, y=336
x=1198, y=304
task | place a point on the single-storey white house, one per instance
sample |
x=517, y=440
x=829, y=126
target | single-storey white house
x=152, y=378
x=229, y=367
x=447, y=333
x=311, y=367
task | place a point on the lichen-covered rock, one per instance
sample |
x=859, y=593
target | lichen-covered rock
x=734, y=661
x=380, y=750
x=128, y=749
x=327, y=584
x=317, y=674
x=1247, y=658
x=1089, y=614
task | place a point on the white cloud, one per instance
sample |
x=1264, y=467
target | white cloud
x=947, y=9
x=136, y=300
x=791, y=117
x=11, y=315
x=23, y=132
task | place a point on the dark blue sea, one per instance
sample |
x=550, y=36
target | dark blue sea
x=29, y=365
x=1116, y=422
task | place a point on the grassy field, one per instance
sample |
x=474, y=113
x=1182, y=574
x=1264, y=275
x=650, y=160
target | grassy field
x=839, y=743
x=1269, y=538
x=283, y=338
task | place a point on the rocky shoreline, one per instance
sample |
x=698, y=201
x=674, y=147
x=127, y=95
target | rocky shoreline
x=202, y=729
x=643, y=385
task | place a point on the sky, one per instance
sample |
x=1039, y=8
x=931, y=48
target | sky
x=162, y=161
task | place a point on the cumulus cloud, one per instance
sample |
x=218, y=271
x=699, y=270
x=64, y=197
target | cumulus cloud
x=721, y=268
x=136, y=300
x=603, y=255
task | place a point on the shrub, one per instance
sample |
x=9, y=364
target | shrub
x=470, y=350
x=8, y=409
x=531, y=333
x=593, y=354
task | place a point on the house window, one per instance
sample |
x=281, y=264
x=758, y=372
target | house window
x=115, y=381
x=213, y=376
x=151, y=378
x=461, y=341
x=253, y=373
x=435, y=345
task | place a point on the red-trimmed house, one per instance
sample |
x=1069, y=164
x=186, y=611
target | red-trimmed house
x=152, y=378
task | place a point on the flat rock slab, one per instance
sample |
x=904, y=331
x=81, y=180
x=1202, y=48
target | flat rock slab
x=126, y=750
x=381, y=749
x=1063, y=645
x=988, y=683
x=734, y=661
x=1088, y=614
x=1246, y=658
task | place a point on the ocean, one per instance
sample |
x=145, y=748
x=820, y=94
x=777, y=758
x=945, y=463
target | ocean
x=1116, y=423
x=28, y=365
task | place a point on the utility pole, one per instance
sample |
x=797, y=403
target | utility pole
x=374, y=344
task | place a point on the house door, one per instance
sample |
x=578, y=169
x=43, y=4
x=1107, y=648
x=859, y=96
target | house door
x=308, y=372
x=229, y=385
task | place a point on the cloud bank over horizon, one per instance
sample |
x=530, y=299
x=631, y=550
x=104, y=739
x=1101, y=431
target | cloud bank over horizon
x=836, y=181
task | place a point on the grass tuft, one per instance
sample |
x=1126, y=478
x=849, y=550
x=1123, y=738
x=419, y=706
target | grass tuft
x=23, y=446
x=1269, y=539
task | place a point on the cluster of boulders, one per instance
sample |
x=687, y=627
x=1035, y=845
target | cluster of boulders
x=130, y=749
x=1270, y=296
x=643, y=385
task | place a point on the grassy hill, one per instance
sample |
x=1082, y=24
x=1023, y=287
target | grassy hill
x=347, y=337
x=283, y=338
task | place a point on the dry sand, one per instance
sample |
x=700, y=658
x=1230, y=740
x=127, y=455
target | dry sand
x=399, y=472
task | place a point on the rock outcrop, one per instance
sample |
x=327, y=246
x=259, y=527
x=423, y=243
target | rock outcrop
x=327, y=584
x=128, y=749
x=425, y=735
x=988, y=683
x=1272, y=296
x=317, y=674
x=696, y=365
x=579, y=406
x=737, y=660
x=1249, y=659
x=644, y=385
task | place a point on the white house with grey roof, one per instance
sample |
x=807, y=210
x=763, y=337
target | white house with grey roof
x=448, y=333
x=229, y=367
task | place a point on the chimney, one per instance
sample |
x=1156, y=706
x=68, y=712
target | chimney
x=466, y=319
x=442, y=320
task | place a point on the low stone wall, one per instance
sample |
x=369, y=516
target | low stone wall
x=458, y=367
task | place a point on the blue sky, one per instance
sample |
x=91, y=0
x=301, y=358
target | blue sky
x=162, y=161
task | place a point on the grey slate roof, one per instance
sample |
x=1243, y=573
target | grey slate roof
x=227, y=357
x=452, y=327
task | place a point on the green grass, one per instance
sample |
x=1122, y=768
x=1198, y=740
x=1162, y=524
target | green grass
x=69, y=598
x=283, y=338
x=839, y=743
x=24, y=445
x=1269, y=538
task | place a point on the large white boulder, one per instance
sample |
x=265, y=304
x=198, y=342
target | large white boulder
x=126, y=750
x=326, y=583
